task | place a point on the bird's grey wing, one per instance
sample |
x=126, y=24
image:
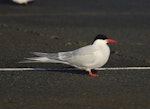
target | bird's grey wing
x=80, y=57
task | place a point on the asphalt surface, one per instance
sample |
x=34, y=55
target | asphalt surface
x=51, y=26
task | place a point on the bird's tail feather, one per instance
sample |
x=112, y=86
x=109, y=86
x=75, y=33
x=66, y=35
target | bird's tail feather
x=43, y=58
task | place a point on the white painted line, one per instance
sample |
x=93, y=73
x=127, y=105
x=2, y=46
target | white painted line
x=36, y=69
x=60, y=69
x=16, y=69
x=125, y=68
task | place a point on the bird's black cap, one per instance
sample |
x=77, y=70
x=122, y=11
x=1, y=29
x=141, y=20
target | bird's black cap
x=100, y=36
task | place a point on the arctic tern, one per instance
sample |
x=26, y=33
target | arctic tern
x=86, y=58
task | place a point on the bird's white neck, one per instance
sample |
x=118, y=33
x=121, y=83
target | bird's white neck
x=102, y=45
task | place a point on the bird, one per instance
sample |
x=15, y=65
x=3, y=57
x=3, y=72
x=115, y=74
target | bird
x=22, y=1
x=85, y=58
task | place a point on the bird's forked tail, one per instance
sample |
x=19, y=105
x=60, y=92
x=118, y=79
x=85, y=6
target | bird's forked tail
x=43, y=58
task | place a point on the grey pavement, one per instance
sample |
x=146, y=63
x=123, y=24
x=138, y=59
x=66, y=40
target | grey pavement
x=51, y=26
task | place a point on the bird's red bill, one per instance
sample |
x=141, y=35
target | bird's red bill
x=111, y=41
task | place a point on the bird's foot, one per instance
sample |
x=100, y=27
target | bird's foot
x=93, y=75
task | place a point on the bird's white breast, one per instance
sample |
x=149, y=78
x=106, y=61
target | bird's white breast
x=100, y=57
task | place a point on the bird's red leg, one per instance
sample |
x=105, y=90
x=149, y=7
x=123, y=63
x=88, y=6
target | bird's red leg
x=91, y=74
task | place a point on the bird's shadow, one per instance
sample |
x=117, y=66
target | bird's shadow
x=65, y=70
